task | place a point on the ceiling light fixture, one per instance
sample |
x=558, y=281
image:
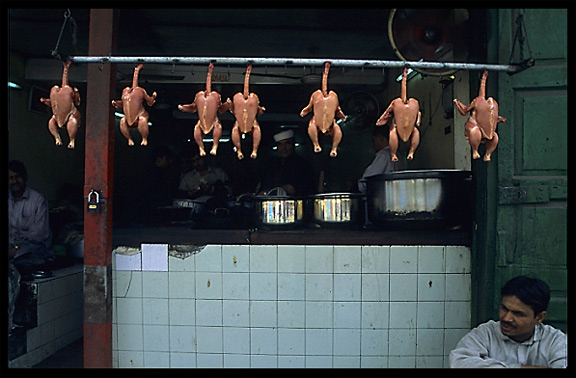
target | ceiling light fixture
x=13, y=85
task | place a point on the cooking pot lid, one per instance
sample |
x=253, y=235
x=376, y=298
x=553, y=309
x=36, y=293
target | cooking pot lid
x=417, y=174
x=336, y=195
x=274, y=198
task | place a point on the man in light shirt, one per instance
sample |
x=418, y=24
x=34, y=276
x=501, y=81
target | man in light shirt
x=29, y=234
x=382, y=162
x=518, y=339
x=203, y=180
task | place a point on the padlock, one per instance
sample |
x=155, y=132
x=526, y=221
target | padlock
x=93, y=201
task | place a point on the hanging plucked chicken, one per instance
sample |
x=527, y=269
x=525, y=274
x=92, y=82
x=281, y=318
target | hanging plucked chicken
x=404, y=126
x=245, y=107
x=326, y=107
x=63, y=101
x=481, y=125
x=135, y=115
x=207, y=103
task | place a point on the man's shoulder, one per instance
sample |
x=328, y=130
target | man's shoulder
x=488, y=327
x=188, y=174
x=551, y=331
x=33, y=194
x=300, y=160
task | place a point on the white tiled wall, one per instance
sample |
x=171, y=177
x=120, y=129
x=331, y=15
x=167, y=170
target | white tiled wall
x=291, y=306
x=59, y=315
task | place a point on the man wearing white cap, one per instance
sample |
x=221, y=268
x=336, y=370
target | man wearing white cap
x=287, y=170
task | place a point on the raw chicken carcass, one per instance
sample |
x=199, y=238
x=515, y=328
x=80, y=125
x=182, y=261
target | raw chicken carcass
x=326, y=107
x=135, y=115
x=481, y=125
x=404, y=126
x=245, y=107
x=63, y=101
x=207, y=103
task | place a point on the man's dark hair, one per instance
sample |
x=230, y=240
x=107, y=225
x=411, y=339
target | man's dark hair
x=18, y=167
x=532, y=291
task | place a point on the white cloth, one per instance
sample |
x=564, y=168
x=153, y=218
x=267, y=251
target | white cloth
x=487, y=347
x=13, y=291
x=382, y=163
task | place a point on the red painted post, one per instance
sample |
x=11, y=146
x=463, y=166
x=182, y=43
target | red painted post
x=98, y=184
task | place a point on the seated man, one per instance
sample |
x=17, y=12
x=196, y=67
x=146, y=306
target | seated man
x=204, y=180
x=29, y=235
x=28, y=224
x=519, y=339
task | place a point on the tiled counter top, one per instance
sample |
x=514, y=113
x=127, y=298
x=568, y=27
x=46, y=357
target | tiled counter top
x=135, y=236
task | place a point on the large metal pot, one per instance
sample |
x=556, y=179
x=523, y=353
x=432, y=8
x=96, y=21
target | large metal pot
x=426, y=197
x=278, y=212
x=335, y=210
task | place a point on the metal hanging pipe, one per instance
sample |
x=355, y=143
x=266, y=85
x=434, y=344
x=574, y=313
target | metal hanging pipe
x=296, y=62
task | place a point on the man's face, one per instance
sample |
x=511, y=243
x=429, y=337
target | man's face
x=379, y=142
x=517, y=319
x=16, y=181
x=162, y=161
x=285, y=147
x=199, y=163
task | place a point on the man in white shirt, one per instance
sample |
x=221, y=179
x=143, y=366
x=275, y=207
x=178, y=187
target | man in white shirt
x=203, y=180
x=29, y=234
x=382, y=162
x=518, y=339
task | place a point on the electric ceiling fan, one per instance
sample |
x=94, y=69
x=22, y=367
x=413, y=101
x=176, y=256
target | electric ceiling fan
x=361, y=109
x=429, y=35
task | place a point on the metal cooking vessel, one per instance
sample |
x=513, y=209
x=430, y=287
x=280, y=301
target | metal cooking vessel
x=278, y=212
x=442, y=197
x=337, y=209
x=195, y=206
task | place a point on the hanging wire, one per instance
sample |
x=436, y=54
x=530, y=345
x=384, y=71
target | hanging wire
x=73, y=28
x=521, y=36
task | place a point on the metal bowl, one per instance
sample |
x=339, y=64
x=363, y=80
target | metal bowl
x=282, y=212
x=427, y=197
x=331, y=210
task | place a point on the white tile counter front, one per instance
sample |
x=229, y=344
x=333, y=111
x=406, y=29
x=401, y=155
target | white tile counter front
x=289, y=306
